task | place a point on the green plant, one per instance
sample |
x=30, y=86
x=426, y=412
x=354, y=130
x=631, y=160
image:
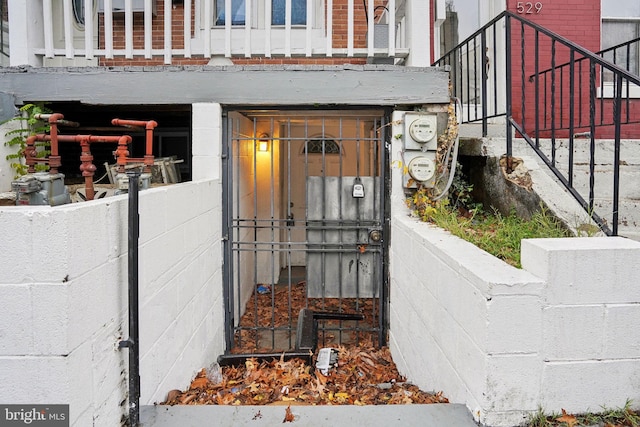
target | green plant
x=461, y=192
x=621, y=417
x=29, y=125
x=500, y=235
x=539, y=419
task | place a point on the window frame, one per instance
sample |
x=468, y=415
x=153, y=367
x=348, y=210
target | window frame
x=258, y=16
x=606, y=89
x=323, y=141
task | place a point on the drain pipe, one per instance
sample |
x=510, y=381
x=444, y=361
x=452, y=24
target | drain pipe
x=132, y=343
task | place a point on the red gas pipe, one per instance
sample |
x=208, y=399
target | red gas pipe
x=148, y=125
x=54, y=120
x=87, y=167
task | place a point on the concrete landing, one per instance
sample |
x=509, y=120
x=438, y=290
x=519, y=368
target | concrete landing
x=446, y=415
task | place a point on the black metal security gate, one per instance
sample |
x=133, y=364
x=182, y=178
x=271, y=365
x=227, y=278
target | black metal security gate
x=305, y=225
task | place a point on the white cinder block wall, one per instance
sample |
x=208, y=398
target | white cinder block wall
x=63, y=287
x=559, y=333
x=6, y=172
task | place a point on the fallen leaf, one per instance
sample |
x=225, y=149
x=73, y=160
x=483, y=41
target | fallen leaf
x=322, y=379
x=199, y=383
x=570, y=420
x=173, y=394
x=288, y=415
x=186, y=398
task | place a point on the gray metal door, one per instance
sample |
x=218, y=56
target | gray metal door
x=304, y=225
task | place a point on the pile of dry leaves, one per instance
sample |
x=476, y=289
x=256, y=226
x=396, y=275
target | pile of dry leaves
x=363, y=376
x=279, y=308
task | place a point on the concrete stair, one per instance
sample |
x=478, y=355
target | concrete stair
x=629, y=203
x=436, y=415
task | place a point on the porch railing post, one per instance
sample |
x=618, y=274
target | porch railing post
x=26, y=32
x=417, y=13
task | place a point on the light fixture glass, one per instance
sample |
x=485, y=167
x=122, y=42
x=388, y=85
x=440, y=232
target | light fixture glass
x=263, y=143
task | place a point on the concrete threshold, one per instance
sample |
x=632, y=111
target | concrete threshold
x=446, y=415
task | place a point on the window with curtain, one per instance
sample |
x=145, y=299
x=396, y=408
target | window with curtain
x=298, y=12
x=237, y=12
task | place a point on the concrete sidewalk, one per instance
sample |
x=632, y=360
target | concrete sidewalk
x=445, y=415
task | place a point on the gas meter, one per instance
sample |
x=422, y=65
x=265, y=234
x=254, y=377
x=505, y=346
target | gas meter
x=41, y=188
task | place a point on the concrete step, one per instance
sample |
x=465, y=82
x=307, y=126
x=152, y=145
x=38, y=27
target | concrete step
x=449, y=415
x=633, y=235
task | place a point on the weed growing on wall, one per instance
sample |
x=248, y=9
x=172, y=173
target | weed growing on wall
x=29, y=125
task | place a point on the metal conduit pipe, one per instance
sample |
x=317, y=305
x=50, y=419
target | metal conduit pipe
x=132, y=343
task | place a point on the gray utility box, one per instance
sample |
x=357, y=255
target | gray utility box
x=41, y=188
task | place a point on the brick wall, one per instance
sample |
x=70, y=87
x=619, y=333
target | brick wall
x=579, y=22
x=340, y=37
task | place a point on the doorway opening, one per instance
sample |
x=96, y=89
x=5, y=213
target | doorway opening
x=305, y=225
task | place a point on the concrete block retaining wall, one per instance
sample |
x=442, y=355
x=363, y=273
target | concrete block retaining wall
x=560, y=333
x=63, y=287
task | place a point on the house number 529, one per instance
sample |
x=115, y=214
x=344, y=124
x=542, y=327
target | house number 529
x=528, y=7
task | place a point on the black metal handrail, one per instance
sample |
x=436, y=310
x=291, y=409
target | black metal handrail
x=604, y=84
x=626, y=63
x=496, y=73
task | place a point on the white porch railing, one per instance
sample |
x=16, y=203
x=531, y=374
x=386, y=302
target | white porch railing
x=167, y=29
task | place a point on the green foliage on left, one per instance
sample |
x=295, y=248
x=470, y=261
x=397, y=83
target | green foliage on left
x=29, y=125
